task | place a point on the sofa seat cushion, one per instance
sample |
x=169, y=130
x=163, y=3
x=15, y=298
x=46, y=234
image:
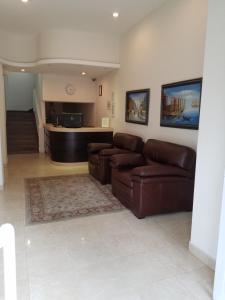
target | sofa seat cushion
x=123, y=176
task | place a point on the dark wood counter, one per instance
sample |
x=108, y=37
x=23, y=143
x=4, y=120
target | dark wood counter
x=69, y=145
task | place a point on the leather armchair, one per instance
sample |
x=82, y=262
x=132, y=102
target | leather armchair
x=99, y=154
x=161, y=180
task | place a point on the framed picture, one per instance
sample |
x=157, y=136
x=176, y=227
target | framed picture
x=137, y=106
x=180, y=104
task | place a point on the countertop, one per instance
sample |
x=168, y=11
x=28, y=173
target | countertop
x=51, y=127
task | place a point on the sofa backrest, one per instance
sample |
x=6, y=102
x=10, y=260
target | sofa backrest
x=128, y=141
x=169, y=153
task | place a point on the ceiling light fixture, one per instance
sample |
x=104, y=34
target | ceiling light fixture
x=25, y=1
x=22, y=70
x=115, y=14
x=83, y=73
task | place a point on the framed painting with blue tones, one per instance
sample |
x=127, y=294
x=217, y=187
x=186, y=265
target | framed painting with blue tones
x=180, y=104
x=137, y=106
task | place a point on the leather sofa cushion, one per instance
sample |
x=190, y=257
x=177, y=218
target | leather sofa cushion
x=127, y=160
x=169, y=153
x=159, y=171
x=96, y=147
x=113, y=151
x=123, y=176
x=94, y=159
x=128, y=141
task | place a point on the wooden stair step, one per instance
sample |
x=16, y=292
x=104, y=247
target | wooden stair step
x=21, y=132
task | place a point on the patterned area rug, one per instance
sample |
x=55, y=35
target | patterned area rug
x=62, y=197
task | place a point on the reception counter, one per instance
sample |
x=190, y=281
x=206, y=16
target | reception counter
x=69, y=145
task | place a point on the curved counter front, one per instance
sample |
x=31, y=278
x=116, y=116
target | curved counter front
x=69, y=145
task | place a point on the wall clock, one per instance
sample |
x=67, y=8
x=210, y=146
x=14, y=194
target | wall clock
x=70, y=89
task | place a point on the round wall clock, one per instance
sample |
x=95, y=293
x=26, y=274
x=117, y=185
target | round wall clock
x=70, y=89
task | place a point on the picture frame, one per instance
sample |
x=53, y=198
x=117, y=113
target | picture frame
x=137, y=106
x=180, y=104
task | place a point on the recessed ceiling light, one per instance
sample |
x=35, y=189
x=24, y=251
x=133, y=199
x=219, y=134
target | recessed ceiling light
x=83, y=73
x=25, y=1
x=22, y=70
x=115, y=14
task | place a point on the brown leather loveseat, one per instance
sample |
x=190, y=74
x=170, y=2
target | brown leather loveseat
x=99, y=154
x=161, y=180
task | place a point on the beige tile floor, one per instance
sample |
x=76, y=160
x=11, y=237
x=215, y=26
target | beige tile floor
x=105, y=257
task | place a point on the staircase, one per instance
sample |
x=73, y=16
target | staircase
x=21, y=132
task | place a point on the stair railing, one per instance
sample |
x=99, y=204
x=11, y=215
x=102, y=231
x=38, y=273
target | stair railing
x=7, y=242
x=38, y=117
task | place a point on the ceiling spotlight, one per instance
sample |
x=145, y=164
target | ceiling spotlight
x=25, y=1
x=83, y=73
x=115, y=14
x=22, y=70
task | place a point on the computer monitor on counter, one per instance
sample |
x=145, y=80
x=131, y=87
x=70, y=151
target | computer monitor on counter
x=71, y=120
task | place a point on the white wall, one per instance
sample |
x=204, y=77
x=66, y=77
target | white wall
x=18, y=47
x=104, y=103
x=78, y=45
x=3, y=151
x=211, y=145
x=58, y=44
x=54, y=88
x=168, y=46
x=219, y=280
x=19, y=91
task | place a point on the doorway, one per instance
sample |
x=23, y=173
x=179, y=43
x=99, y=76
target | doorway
x=21, y=129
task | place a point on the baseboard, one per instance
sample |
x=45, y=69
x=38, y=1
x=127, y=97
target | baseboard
x=205, y=258
x=77, y=164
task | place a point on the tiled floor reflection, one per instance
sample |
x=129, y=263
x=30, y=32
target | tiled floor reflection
x=105, y=257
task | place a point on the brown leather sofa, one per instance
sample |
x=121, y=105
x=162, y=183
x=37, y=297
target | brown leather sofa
x=161, y=180
x=99, y=154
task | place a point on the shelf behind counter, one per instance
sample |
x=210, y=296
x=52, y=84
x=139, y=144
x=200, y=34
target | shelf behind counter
x=69, y=145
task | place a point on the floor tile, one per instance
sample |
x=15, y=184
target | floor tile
x=112, y=256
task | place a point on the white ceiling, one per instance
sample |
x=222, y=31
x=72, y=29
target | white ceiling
x=86, y=15
x=93, y=72
x=89, y=15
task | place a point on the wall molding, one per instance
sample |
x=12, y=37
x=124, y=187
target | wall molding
x=45, y=61
x=201, y=255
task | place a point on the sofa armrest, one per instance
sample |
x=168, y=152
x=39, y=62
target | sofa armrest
x=127, y=160
x=97, y=147
x=159, y=171
x=112, y=151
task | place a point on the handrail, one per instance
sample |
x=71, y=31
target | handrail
x=38, y=117
x=37, y=110
x=7, y=242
